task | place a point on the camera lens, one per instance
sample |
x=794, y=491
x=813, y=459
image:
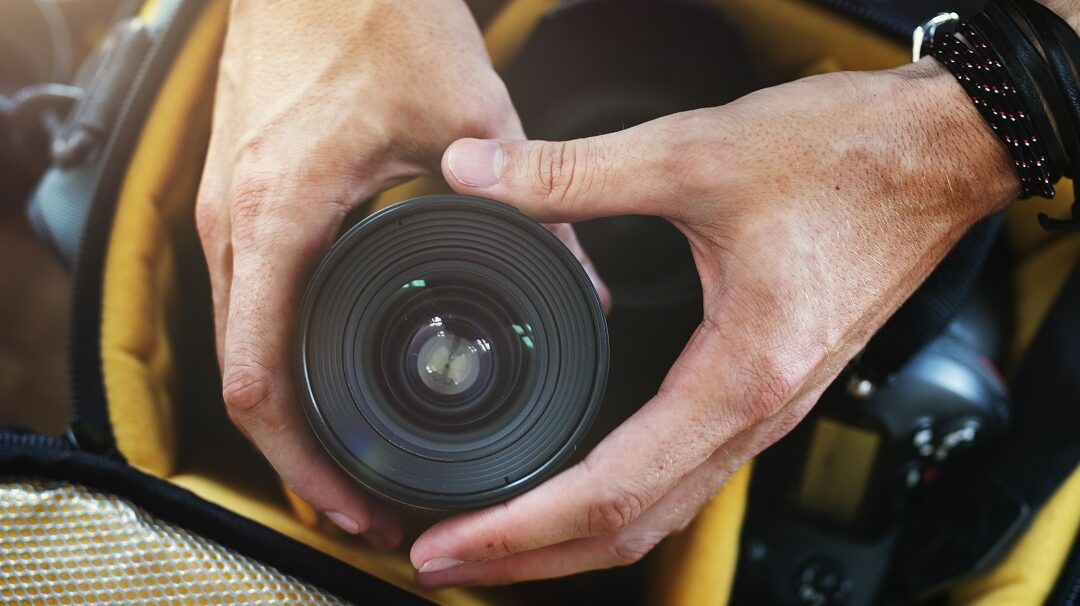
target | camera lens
x=452, y=353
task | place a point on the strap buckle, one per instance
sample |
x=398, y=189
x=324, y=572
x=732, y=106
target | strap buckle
x=923, y=36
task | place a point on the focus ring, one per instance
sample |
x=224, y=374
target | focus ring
x=537, y=315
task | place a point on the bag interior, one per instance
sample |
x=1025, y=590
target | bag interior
x=161, y=375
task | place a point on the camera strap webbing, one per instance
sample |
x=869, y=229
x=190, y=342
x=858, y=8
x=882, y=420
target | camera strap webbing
x=985, y=513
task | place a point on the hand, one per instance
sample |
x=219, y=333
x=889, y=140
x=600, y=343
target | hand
x=320, y=105
x=813, y=210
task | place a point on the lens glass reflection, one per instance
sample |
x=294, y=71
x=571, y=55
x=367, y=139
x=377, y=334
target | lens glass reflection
x=454, y=352
x=450, y=362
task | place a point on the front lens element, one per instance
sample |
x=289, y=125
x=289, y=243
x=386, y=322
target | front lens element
x=449, y=363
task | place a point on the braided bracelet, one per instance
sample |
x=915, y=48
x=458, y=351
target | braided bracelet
x=1019, y=64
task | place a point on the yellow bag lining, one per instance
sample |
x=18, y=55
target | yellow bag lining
x=153, y=222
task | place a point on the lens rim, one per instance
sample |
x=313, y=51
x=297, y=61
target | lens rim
x=561, y=267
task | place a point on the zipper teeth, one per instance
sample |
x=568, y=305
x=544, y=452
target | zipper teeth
x=33, y=440
x=1072, y=597
x=90, y=428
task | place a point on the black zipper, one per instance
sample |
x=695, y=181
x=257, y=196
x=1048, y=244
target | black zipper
x=1068, y=584
x=14, y=438
x=863, y=10
x=90, y=427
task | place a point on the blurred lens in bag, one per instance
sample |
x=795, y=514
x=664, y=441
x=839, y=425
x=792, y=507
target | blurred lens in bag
x=598, y=66
x=452, y=353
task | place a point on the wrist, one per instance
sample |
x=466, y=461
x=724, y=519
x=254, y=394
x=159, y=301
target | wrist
x=972, y=170
x=1068, y=10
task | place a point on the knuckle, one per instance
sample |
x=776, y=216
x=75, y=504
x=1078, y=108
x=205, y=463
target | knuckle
x=500, y=543
x=770, y=386
x=630, y=548
x=302, y=483
x=206, y=218
x=501, y=546
x=557, y=171
x=487, y=110
x=246, y=385
x=249, y=199
x=615, y=512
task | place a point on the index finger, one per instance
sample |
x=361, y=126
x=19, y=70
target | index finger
x=273, y=253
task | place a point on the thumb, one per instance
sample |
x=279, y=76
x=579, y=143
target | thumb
x=555, y=181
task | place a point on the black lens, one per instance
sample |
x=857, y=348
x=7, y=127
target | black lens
x=452, y=352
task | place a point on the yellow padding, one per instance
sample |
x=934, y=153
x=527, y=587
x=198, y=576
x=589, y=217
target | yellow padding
x=697, y=566
x=509, y=30
x=1036, y=281
x=1028, y=573
x=139, y=276
x=787, y=36
x=1022, y=223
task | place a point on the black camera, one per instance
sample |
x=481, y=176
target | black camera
x=835, y=506
x=451, y=352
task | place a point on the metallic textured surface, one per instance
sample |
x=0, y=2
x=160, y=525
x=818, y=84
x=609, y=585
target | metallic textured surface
x=65, y=544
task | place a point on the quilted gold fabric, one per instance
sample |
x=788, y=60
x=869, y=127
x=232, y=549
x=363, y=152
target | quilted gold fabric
x=66, y=544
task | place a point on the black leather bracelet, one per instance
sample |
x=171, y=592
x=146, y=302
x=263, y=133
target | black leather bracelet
x=1061, y=47
x=1030, y=72
x=1020, y=64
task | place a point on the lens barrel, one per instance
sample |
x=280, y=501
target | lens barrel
x=452, y=353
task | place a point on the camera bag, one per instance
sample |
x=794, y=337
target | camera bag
x=152, y=495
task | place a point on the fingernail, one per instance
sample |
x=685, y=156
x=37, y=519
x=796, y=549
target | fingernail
x=346, y=523
x=476, y=162
x=437, y=564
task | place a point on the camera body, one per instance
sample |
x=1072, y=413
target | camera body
x=829, y=503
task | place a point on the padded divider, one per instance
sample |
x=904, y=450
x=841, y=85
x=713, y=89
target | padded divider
x=139, y=279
